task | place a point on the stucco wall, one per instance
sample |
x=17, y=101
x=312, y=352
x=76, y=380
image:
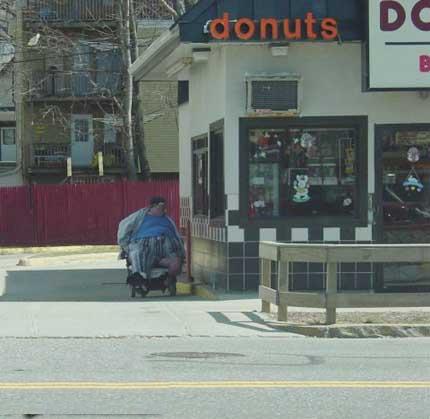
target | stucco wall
x=184, y=123
x=207, y=104
x=331, y=87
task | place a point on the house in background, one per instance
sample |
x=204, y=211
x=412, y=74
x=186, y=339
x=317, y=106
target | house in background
x=10, y=174
x=158, y=99
x=74, y=88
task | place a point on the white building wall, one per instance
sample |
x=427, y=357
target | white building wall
x=207, y=104
x=332, y=86
x=184, y=125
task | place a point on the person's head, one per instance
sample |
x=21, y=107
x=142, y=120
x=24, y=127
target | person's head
x=157, y=205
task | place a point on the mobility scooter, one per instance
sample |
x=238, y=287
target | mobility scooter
x=159, y=281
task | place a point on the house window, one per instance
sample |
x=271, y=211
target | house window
x=183, y=92
x=200, y=176
x=8, y=136
x=7, y=144
x=217, y=196
x=111, y=128
x=297, y=169
x=82, y=130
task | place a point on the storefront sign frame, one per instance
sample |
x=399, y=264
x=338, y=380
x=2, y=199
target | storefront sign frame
x=403, y=17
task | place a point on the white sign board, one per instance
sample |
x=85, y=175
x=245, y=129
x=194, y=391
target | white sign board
x=399, y=44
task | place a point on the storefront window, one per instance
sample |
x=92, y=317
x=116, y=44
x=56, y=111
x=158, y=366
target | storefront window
x=301, y=171
x=200, y=176
x=405, y=200
x=406, y=180
x=216, y=175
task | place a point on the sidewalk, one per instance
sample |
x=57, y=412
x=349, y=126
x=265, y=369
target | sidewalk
x=351, y=323
x=74, y=290
x=58, y=250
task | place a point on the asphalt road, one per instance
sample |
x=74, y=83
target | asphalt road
x=235, y=377
x=72, y=342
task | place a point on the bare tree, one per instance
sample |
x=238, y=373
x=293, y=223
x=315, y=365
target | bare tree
x=44, y=41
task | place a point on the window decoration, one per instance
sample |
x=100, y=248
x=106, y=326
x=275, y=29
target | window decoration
x=302, y=171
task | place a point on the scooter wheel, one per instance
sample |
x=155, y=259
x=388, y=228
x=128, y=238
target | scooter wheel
x=172, y=288
x=143, y=293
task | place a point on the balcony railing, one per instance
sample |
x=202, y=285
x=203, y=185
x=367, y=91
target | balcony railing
x=70, y=10
x=54, y=156
x=74, y=84
x=154, y=9
x=49, y=156
x=92, y=10
x=113, y=156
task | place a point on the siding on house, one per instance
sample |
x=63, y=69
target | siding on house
x=158, y=102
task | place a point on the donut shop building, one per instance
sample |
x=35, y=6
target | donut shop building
x=300, y=121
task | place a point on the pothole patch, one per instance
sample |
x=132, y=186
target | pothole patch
x=197, y=355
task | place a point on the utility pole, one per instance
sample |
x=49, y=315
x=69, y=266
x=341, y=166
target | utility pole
x=19, y=70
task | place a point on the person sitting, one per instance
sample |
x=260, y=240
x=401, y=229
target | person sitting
x=150, y=239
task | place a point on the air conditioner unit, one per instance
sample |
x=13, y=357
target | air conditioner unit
x=273, y=95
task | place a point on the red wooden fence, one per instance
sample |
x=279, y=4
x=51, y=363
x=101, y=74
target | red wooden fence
x=40, y=215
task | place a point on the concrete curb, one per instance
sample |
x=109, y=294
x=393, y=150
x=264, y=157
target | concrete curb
x=203, y=291
x=39, y=260
x=184, y=288
x=57, y=249
x=354, y=331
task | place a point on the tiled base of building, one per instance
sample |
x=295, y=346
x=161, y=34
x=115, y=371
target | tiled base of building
x=236, y=267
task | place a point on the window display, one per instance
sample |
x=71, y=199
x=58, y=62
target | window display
x=405, y=200
x=406, y=178
x=302, y=171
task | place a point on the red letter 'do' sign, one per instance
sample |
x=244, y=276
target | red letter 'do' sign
x=385, y=23
x=416, y=15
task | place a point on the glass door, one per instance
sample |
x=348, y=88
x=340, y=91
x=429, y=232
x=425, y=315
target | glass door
x=403, y=193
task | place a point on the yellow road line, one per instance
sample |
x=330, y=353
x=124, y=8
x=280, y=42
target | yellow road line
x=208, y=385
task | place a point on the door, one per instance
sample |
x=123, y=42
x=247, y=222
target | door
x=403, y=196
x=82, y=140
x=7, y=144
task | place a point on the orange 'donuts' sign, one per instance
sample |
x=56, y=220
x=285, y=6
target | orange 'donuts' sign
x=273, y=29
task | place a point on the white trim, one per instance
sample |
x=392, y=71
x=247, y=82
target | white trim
x=235, y=234
x=331, y=234
x=299, y=235
x=363, y=234
x=161, y=48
